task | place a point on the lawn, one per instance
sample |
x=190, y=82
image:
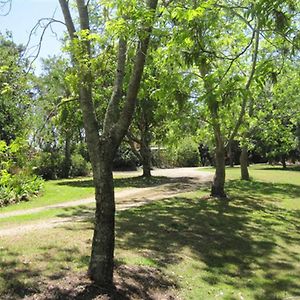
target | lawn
x=65, y=190
x=247, y=248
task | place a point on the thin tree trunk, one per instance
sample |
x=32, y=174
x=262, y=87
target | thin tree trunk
x=67, y=159
x=217, y=189
x=283, y=161
x=231, y=154
x=244, y=164
x=146, y=154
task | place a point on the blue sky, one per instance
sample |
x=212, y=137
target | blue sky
x=23, y=17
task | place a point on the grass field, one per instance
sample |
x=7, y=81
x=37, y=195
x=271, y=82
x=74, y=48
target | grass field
x=247, y=248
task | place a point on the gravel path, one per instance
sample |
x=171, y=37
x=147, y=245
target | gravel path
x=188, y=180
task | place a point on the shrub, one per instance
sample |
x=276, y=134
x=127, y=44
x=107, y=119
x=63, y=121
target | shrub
x=125, y=159
x=18, y=187
x=187, y=154
x=48, y=165
x=164, y=158
x=16, y=181
x=79, y=166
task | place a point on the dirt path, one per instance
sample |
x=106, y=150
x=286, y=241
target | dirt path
x=184, y=180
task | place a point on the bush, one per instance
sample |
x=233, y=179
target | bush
x=48, y=165
x=79, y=166
x=164, y=158
x=125, y=159
x=16, y=181
x=18, y=187
x=187, y=154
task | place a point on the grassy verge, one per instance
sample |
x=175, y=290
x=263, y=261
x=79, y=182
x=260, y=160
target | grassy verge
x=247, y=248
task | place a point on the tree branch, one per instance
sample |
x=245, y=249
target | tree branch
x=130, y=101
x=68, y=18
x=247, y=86
x=3, y=5
x=112, y=112
x=39, y=24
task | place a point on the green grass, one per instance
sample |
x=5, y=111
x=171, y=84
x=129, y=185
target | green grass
x=59, y=191
x=54, y=192
x=247, y=248
x=7, y=222
x=264, y=172
x=281, y=185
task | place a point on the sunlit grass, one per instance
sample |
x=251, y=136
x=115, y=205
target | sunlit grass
x=66, y=190
x=282, y=184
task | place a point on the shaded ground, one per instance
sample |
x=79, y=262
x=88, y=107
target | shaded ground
x=130, y=283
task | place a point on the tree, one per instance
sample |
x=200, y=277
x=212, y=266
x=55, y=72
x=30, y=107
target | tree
x=14, y=91
x=219, y=45
x=278, y=30
x=102, y=145
x=58, y=122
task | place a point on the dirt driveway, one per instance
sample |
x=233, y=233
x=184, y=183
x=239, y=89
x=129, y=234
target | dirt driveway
x=181, y=180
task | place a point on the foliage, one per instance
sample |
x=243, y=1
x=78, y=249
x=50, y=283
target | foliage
x=125, y=159
x=48, y=164
x=187, y=153
x=79, y=166
x=14, y=90
x=16, y=181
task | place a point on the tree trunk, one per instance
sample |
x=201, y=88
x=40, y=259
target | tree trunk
x=101, y=262
x=67, y=159
x=231, y=155
x=217, y=189
x=146, y=153
x=244, y=164
x=283, y=161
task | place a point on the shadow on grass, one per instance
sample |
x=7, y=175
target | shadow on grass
x=248, y=244
x=280, y=168
x=137, y=182
x=20, y=279
x=13, y=274
x=262, y=189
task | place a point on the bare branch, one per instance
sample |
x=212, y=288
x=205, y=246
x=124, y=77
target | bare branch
x=3, y=5
x=38, y=47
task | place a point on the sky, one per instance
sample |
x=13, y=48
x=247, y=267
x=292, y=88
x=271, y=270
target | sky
x=22, y=18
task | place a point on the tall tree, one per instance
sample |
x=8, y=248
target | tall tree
x=102, y=144
x=14, y=90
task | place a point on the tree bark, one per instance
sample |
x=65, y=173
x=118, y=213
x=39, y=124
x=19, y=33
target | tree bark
x=217, y=189
x=244, y=164
x=145, y=152
x=67, y=159
x=231, y=154
x=101, y=262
